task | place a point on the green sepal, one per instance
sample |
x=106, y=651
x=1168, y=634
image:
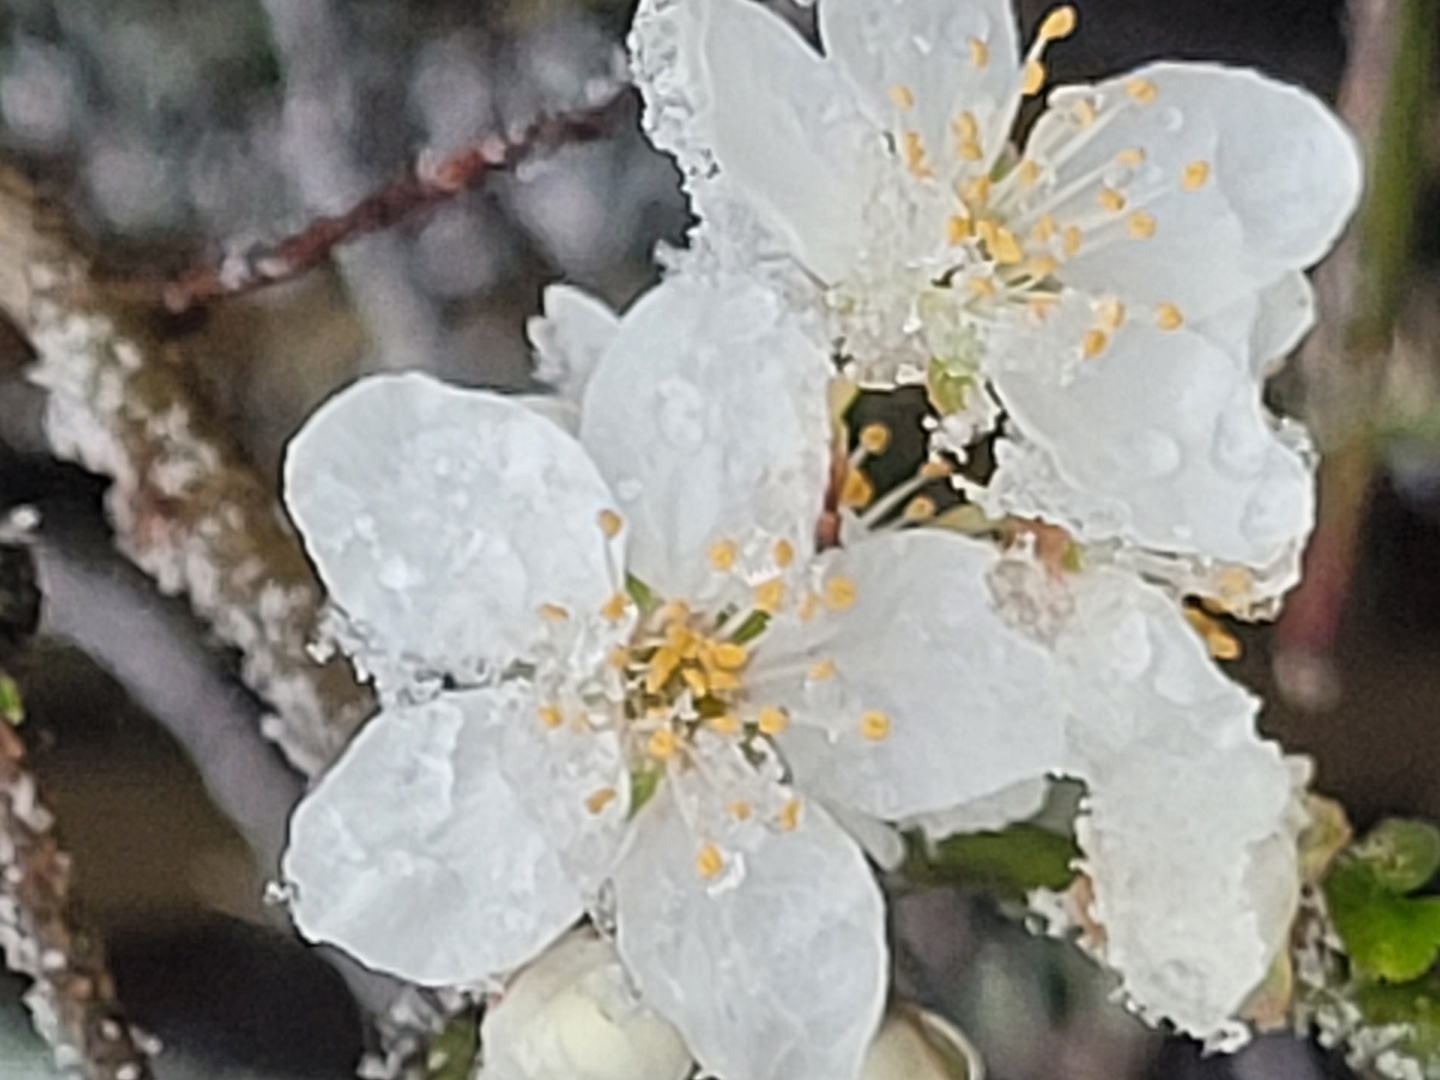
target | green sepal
x=12, y=707
x=1388, y=934
x=453, y=1052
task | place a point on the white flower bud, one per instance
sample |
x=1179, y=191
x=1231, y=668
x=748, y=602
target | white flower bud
x=917, y=1045
x=570, y=1015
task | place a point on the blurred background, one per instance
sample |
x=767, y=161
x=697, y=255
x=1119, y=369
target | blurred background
x=174, y=134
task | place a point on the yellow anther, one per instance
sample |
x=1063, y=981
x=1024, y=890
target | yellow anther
x=1044, y=229
x=840, y=593
x=739, y=809
x=1093, y=343
x=1142, y=90
x=615, y=607
x=1070, y=239
x=1195, y=175
x=619, y=657
x=725, y=724
x=550, y=716
x=771, y=721
x=696, y=680
x=936, y=470
x=1084, y=112
x=1111, y=200
x=662, y=744
x=662, y=666
x=965, y=127
x=1111, y=314
x=1027, y=172
x=1006, y=248
x=809, y=607
x=1058, y=24
x=979, y=53
x=769, y=595
x=783, y=552
x=597, y=800
x=981, y=285
x=722, y=680
x=789, y=816
x=1168, y=317
x=1221, y=643
x=920, y=508
x=730, y=656
x=675, y=611
x=957, y=229
x=1141, y=225
x=857, y=491
x=683, y=640
x=610, y=523
x=875, y=438
x=874, y=725
x=822, y=670
x=976, y=192
x=970, y=151
x=709, y=861
x=1133, y=156
x=553, y=613
x=1032, y=77
x=723, y=554
x=912, y=149
x=1042, y=266
x=902, y=96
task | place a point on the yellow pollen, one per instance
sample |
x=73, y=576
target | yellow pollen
x=662, y=666
x=730, y=656
x=723, y=554
x=1006, y=248
x=874, y=725
x=675, y=611
x=724, y=724
x=1093, y=343
x=857, y=491
x=771, y=721
x=902, y=96
x=784, y=553
x=1133, y=156
x=696, y=680
x=839, y=593
x=971, y=151
x=1042, y=266
x=965, y=127
x=550, y=716
x=1032, y=77
x=935, y=470
x=1142, y=90
x=1111, y=313
x=597, y=800
x=615, y=607
x=1141, y=225
x=1028, y=172
x=739, y=810
x=553, y=613
x=769, y=595
x=1221, y=643
x=821, y=670
x=1195, y=175
x=1059, y=24
x=1070, y=239
x=709, y=861
x=920, y=508
x=610, y=523
x=957, y=229
x=661, y=745
x=1044, y=229
x=1111, y=200
x=789, y=816
x=682, y=639
x=875, y=438
x=981, y=286
x=912, y=148
x=979, y=53
x=722, y=680
x=1168, y=317
x=1084, y=112
x=976, y=192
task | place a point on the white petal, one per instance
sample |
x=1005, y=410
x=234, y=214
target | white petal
x=971, y=704
x=414, y=855
x=1261, y=329
x=442, y=519
x=1161, y=441
x=779, y=972
x=754, y=113
x=1191, y=825
x=708, y=418
x=927, y=47
x=1017, y=802
x=569, y=338
x=1283, y=178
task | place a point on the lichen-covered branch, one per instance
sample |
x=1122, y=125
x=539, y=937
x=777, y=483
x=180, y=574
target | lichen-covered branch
x=185, y=506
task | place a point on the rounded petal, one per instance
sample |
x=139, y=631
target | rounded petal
x=1263, y=328
x=753, y=113
x=1161, y=441
x=950, y=57
x=991, y=813
x=415, y=856
x=441, y=519
x=969, y=705
x=569, y=338
x=774, y=971
x=708, y=418
x=1242, y=179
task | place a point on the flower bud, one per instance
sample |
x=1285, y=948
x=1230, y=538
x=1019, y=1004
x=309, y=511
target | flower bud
x=570, y=1015
x=913, y=1044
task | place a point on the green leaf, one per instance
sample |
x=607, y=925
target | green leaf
x=1387, y=934
x=1415, y=1005
x=1008, y=864
x=1403, y=854
x=452, y=1052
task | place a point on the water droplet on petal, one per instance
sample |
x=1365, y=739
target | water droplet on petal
x=1239, y=449
x=629, y=489
x=1153, y=453
x=681, y=413
x=1171, y=118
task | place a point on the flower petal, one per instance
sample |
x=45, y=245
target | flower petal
x=1261, y=329
x=569, y=338
x=414, y=855
x=442, y=519
x=969, y=705
x=1161, y=441
x=708, y=418
x=753, y=113
x=1190, y=833
x=775, y=971
x=1242, y=179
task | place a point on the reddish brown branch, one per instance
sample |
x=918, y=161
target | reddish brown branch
x=430, y=184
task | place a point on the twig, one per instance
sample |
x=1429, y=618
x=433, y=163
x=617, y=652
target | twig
x=430, y=184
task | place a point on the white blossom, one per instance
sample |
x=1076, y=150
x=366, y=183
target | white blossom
x=619, y=676
x=1120, y=285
